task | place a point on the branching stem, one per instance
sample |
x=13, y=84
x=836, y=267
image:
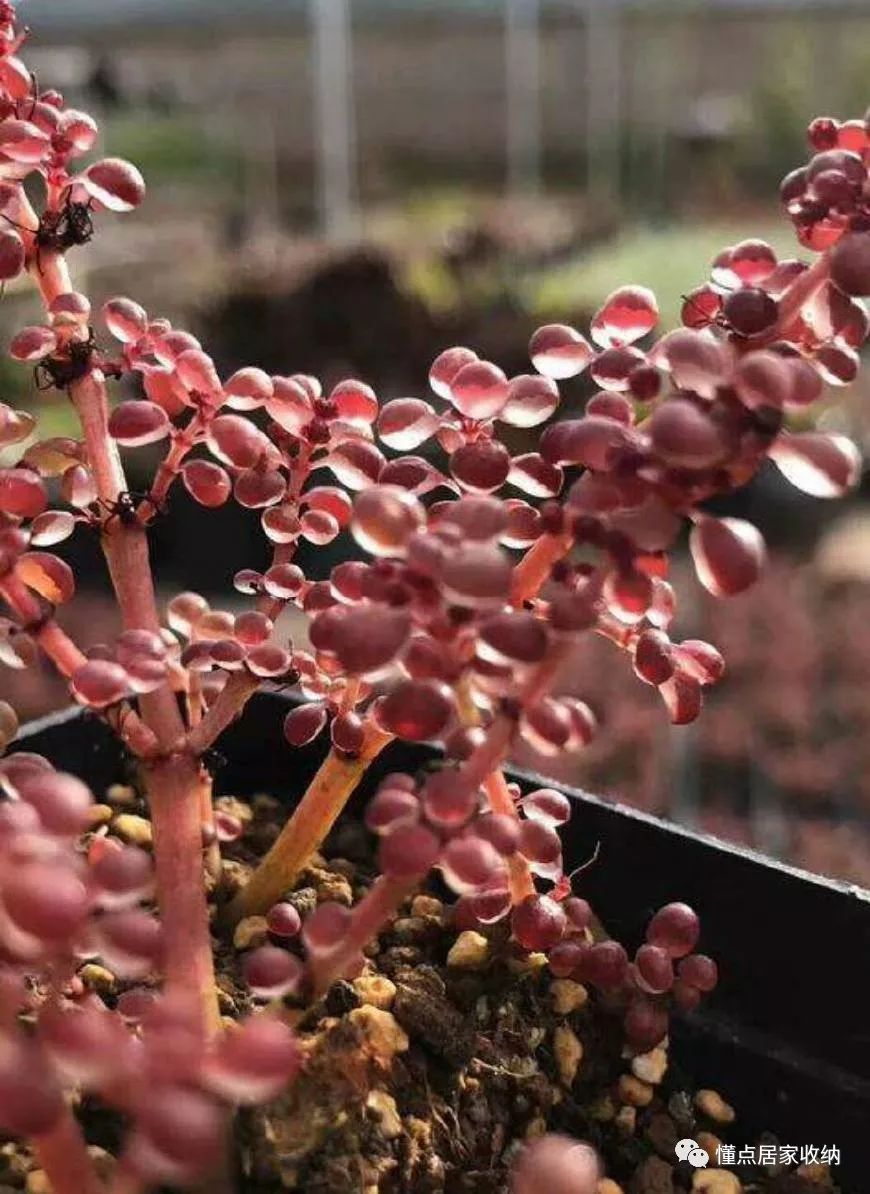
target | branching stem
x=173, y=780
x=377, y=907
x=63, y=1156
x=305, y=831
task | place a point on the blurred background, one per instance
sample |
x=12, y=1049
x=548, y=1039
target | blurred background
x=346, y=187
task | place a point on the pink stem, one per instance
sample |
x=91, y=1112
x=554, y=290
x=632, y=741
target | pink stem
x=377, y=907
x=126, y=1182
x=174, y=785
x=382, y=900
x=804, y=288
x=125, y=546
x=535, y=566
x=228, y=704
x=64, y=1157
x=67, y=657
x=173, y=781
x=169, y=469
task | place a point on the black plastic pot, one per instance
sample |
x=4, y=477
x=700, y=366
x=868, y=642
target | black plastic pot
x=786, y=1038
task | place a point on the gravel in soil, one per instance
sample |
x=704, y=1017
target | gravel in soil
x=427, y=1072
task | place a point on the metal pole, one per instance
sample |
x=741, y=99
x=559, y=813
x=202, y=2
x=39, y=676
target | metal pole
x=603, y=75
x=523, y=94
x=335, y=133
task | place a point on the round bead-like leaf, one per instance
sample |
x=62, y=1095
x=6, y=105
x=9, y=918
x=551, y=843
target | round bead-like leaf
x=22, y=493
x=479, y=390
x=48, y=575
x=481, y=467
x=825, y=466
x=32, y=344
x=384, y=518
x=477, y=575
x=685, y=436
x=416, y=710
x=11, y=254
x=627, y=315
x=559, y=351
x=850, y=263
x=99, y=683
x=728, y=554
x=531, y=399
x=445, y=368
x=136, y=423
x=405, y=423
x=115, y=184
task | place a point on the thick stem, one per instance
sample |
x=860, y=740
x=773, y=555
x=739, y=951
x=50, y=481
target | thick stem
x=337, y=778
x=314, y=816
x=173, y=785
x=124, y=544
x=374, y=910
x=63, y=1155
x=174, y=782
x=501, y=801
x=91, y=401
x=535, y=566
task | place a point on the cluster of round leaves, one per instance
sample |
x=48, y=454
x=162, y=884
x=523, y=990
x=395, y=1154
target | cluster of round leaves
x=663, y=972
x=251, y=463
x=427, y=616
x=40, y=135
x=220, y=643
x=61, y=906
x=822, y=339
x=692, y=417
x=828, y=200
x=50, y=896
x=442, y=822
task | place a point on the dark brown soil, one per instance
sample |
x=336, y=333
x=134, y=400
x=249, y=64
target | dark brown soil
x=428, y=1072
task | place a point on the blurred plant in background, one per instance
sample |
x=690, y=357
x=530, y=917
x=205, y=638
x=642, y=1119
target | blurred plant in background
x=781, y=759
